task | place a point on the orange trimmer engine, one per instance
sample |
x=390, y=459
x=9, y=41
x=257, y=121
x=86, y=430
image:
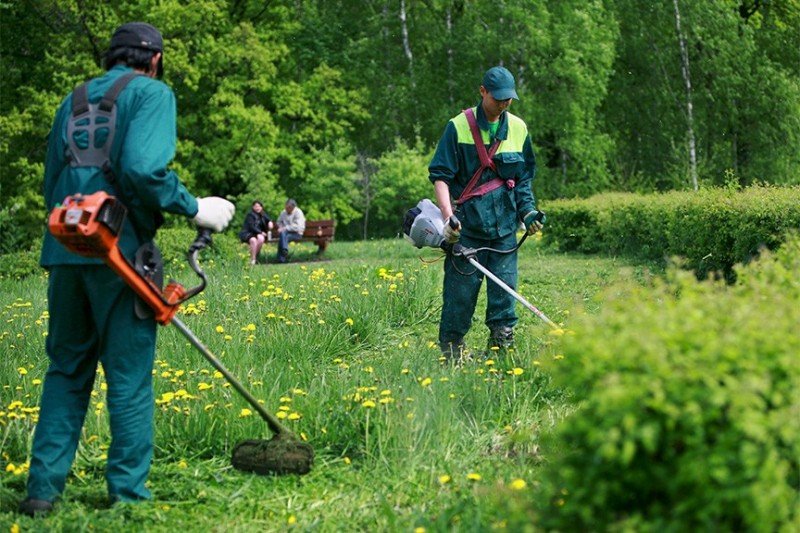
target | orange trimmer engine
x=90, y=225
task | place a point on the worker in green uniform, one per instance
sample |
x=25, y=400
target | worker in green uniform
x=480, y=216
x=92, y=315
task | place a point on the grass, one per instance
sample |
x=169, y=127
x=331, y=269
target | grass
x=343, y=349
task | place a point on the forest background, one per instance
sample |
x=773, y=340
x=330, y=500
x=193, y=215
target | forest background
x=339, y=104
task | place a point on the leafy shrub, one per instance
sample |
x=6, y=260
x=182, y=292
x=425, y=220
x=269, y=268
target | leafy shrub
x=712, y=229
x=20, y=264
x=688, y=407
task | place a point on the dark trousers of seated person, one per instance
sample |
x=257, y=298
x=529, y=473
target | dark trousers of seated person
x=284, y=238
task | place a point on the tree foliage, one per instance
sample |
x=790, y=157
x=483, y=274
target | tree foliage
x=338, y=104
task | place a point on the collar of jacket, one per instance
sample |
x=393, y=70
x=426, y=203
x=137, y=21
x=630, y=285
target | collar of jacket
x=483, y=122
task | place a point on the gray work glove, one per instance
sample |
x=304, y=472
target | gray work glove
x=214, y=213
x=534, y=221
x=452, y=229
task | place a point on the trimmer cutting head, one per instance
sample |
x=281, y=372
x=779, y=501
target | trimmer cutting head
x=282, y=454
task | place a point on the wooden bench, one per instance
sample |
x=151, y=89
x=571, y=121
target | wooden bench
x=320, y=232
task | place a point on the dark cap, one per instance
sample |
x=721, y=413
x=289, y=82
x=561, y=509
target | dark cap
x=500, y=82
x=137, y=35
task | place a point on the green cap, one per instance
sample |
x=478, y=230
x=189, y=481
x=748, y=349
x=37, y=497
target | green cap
x=500, y=83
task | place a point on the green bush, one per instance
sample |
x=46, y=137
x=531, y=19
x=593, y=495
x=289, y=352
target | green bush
x=688, y=406
x=712, y=229
x=20, y=264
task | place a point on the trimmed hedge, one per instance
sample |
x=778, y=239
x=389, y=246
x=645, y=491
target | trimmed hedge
x=712, y=229
x=688, y=406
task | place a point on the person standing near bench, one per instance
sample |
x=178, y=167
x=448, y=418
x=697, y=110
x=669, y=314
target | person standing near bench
x=291, y=225
x=254, y=230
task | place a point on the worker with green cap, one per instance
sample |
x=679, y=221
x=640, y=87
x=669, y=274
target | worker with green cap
x=122, y=146
x=482, y=173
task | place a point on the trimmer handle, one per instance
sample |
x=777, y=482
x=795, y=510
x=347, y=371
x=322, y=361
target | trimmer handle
x=202, y=240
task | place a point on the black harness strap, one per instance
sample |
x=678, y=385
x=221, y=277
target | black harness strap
x=89, y=119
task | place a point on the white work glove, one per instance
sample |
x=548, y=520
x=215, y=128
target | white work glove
x=452, y=230
x=214, y=213
x=533, y=221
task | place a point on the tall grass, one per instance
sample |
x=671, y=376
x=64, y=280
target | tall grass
x=344, y=351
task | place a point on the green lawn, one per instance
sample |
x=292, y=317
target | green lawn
x=342, y=348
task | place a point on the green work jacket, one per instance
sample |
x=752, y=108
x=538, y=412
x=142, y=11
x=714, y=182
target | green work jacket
x=499, y=212
x=144, y=145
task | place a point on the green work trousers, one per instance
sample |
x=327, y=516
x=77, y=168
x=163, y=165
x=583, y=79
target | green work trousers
x=92, y=320
x=462, y=284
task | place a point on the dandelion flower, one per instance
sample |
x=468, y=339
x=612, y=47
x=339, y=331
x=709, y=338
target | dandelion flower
x=472, y=476
x=444, y=479
x=349, y=321
x=368, y=404
x=245, y=412
x=518, y=484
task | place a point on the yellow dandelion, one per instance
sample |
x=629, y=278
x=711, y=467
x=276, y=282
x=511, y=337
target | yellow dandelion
x=245, y=412
x=368, y=404
x=295, y=416
x=291, y=520
x=518, y=484
x=473, y=476
x=425, y=382
x=518, y=371
x=220, y=329
x=349, y=321
x=444, y=479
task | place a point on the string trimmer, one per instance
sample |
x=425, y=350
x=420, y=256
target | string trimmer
x=423, y=227
x=90, y=226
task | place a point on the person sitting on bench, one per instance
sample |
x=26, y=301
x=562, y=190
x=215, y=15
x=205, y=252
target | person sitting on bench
x=254, y=230
x=291, y=225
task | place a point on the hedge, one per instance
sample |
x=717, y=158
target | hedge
x=687, y=398
x=711, y=229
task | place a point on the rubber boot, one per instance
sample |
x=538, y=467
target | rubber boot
x=453, y=351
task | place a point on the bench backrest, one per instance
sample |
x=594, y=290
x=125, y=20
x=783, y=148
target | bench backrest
x=320, y=228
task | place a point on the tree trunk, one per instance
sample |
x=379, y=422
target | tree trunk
x=687, y=80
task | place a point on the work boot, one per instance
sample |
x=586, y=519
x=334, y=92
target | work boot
x=453, y=351
x=34, y=507
x=500, y=338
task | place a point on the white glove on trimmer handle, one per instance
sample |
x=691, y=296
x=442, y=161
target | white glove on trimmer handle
x=452, y=229
x=214, y=213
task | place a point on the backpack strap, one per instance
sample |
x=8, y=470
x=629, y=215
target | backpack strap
x=470, y=191
x=88, y=120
